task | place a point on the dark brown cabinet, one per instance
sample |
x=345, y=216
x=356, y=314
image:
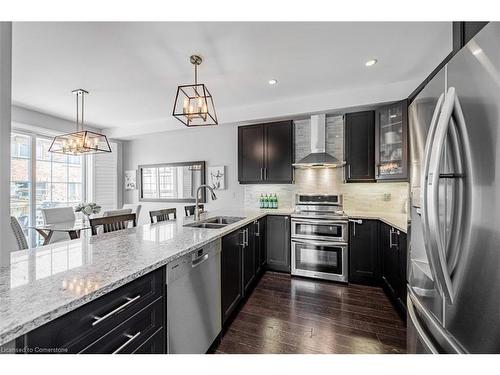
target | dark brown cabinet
x=265, y=153
x=359, y=145
x=278, y=243
x=242, y=263
x=391, y=142
x=231, y=272
x=249, y=264
x=364, y=260
x=122, y=321
x=260, y=245
x=393, y=259
x=465, y=31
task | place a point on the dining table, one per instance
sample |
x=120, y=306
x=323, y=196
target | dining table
x=72, y=228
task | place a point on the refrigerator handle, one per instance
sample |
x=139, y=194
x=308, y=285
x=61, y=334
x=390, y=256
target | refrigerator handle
x=446, y=341
x=461, y=219
x=418, y=328
x=424, y=192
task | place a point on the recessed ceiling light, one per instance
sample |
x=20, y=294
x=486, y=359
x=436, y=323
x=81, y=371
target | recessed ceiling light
x=273, y=81
x=371, y=62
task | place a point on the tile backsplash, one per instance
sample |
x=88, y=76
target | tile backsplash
x=389, y=197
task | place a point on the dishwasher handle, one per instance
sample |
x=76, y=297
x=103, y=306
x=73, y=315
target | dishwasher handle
x=197, y=261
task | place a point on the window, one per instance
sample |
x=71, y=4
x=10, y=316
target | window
x=20, y=173
x=58, y=180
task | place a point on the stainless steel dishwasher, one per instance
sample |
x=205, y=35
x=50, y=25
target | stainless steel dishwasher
x=194, y=300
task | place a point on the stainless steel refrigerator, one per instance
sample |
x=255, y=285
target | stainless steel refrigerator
x=454, y=253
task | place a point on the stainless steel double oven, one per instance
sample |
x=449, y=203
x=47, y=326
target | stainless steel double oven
x=319, y=237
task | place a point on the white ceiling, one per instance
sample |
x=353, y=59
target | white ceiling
x=132, y=69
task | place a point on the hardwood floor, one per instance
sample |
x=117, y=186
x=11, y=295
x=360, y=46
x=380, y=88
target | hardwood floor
x=295, y=315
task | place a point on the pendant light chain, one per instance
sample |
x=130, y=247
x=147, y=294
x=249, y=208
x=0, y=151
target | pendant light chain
x=83, y=107
x=77, y=114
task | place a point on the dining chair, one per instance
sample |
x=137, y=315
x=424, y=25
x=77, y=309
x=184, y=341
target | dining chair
x=22, y=244
x=163, y=215
x=123, y=211
x=56, y=216
x=136, y=209
x=112, y=223
x=189, y=210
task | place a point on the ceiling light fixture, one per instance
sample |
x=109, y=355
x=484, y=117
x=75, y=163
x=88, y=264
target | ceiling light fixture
x=371, y=62
x=273, y=81
x=81, y=142
x=194, y=105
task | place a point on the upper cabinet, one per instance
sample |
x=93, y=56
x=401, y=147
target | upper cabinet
x=265, y=153
x=360, y=146
x=391, y=142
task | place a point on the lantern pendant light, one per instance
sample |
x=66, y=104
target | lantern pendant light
x=81, y=142
x=194, y=105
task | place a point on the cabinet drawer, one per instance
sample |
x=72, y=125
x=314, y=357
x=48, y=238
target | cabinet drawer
x=77, y=329
x=132, y=333
x=154, y=345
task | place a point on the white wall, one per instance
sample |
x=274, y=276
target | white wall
x=216, y=145
x=36, y=121
x=5, y=124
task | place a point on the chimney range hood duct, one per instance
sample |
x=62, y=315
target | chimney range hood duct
x=318, y=158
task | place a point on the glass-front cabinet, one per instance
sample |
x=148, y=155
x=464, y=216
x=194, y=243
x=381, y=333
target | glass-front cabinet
x=391, y=142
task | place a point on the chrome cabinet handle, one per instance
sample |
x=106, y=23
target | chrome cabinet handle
x=357, y=221
x=354, y=222
x=100, y=319
x=126, y=343
x=262, y=173
x=257, y=233
x=349, y=171
x=242, y=238
x=265, y=173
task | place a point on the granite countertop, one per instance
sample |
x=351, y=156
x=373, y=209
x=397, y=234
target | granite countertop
x=398, y=221
x=47, y=282
x=44, y=283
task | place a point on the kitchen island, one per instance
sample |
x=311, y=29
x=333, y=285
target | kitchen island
x=45, y=283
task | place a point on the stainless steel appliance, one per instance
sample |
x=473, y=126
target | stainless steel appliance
x=319, y=237
x=454, y=258
x=194, y=300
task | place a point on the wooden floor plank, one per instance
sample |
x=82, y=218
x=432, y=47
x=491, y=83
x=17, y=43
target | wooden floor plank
x=297, y=315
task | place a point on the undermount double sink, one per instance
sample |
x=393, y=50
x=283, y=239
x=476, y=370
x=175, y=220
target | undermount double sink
x=216, y=222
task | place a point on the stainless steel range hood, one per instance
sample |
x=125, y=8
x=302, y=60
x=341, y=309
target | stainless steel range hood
x=318, y=158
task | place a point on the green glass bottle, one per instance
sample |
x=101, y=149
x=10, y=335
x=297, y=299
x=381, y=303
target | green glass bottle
x=261, y=201
x=275, y=201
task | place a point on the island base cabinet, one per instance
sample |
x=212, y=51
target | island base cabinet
x=249, y=264
x=231, y=272
x=278, y=243
x=260, y=246
x=132, y=334
x=119, y=321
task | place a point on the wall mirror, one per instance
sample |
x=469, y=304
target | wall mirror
x=171, y=182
